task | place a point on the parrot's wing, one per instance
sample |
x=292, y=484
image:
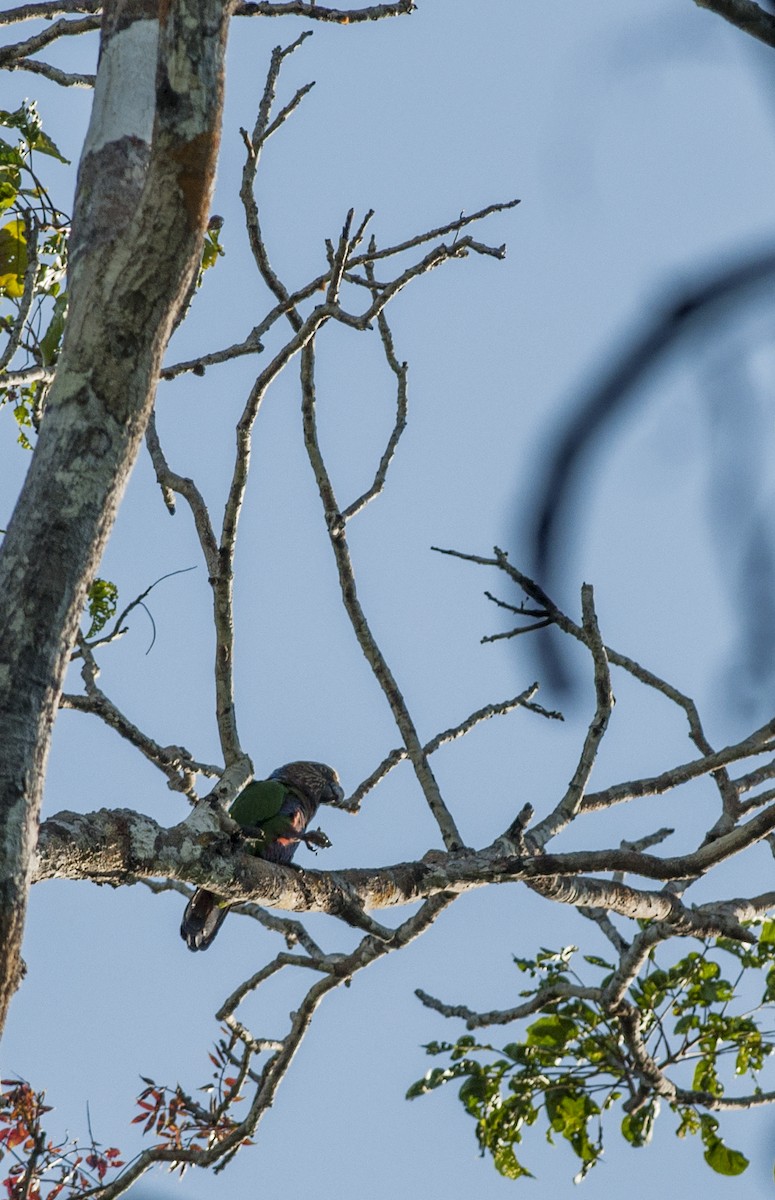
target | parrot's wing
x=258, y=803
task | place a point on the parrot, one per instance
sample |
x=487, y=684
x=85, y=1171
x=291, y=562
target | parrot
x=274, y=814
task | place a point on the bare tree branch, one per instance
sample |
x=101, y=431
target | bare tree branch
x=571, y=802
x=316, y=12
x=47, y=10
x=64, y=78
x=542, y=1000
x=524, y=700
x=384, y=676
x=9, y=55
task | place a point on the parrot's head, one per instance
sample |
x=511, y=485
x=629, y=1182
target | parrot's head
x=316, y=780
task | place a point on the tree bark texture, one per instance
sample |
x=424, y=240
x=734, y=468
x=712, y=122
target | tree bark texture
x=119, y=846
x=142, y=203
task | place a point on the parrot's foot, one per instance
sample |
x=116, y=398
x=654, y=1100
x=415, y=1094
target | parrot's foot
x=315, y=840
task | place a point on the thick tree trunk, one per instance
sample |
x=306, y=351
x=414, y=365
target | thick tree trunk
x=144, y=187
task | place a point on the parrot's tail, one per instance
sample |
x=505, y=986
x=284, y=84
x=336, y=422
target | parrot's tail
x=202, y=919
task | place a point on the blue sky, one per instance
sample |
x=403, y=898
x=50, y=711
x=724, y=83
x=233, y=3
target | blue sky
x=641, y=142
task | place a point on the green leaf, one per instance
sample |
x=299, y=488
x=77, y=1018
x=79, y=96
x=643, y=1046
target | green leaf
x=509, y=1165
x=431, y=1080
x=11, y=162
x=552, y=1032
x=638, y=1127
x=767, y=935
x=473, y=1091
x=44, y=144
x=437, y=1047
x=725, y=1161
x=705, y=1077
x=101, y=602
x=212, y=249
x=690, y=1122
x=598, y=962
x=49, y=343
x=8, y=190
x=27, y=120
x=687, y=1023
x=13, y=258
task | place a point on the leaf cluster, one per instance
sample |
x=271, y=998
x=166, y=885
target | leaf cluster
x=41, y=1169
x=180, y=1122
x=580, y=1058
x=101, y=601
x=33, y=262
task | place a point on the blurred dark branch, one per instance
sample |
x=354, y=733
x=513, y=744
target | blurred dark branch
x=607, y=399
x=746, y=16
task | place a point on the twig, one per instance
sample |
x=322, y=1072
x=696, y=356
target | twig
x=400, y=372
x=119, y=628
x=431, y=234
x=174, y=761
x=251, y=345
x=571, y=802
x=219, y=571
x=543, y=999
x=730, y=806
x=375, y=658
x=48, y=71
x=523, y=700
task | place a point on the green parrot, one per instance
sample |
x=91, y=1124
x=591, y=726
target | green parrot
x=274, y=814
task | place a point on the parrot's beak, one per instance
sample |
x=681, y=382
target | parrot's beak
x=335, y=793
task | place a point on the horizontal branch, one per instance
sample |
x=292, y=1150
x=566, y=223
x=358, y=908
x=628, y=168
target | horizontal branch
x=316, y=12
x=64, y=78
x=252, y=344
x=47, y=10
x=9, y=55
x=206, y=849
